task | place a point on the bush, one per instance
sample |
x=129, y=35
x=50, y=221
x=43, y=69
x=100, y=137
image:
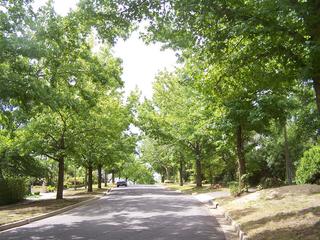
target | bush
x=205, y=181
x=51, y=188
x=308, y=170
x=13, y=190
x=270, y=182
x=234, y=189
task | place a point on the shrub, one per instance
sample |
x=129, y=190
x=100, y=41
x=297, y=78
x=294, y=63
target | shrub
x=205, y=181
x=308, y=170
x=13, y=190
x=270, y=182
x=234, y=189
x=51, y=188
x=259, y=187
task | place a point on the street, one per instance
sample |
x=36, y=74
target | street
x=132, y=213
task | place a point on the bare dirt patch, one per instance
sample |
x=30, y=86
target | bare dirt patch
x=290, y=212
x=193, y=189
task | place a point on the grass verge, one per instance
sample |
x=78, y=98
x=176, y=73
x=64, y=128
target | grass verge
x=24, y=210
x=17, y=212
x=290, y=212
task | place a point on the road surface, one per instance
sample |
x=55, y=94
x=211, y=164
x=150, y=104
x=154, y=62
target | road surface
x=132, y=213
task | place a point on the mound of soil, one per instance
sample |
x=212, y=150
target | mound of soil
x=279, y=193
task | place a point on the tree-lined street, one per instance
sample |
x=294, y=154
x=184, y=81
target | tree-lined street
x=133, y=213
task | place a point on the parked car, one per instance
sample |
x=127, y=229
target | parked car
x=122, y=183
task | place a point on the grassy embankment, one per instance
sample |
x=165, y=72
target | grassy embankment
x=290, y=212
x=20, y=211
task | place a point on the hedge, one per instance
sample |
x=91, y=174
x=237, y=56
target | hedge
x=12, y=190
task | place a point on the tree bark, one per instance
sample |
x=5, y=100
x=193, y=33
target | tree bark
x=316, y=86
x=211, y=175
x=99, y=176
x=86, y=179
x=75, y=178
x=289, y=170
x=198, y=167
x=105, y=178
x=90, y=182
x=1, y=174
x=60, y=178
x=181, y=169
x=167, y=173
x=112, y=175
x=240, y=153
x=162, y=178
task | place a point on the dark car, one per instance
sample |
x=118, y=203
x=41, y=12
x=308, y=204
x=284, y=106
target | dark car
x=122, y=183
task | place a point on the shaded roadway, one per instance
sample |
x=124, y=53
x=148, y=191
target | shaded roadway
x=133, y=213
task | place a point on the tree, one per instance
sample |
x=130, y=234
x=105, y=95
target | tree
x=178, y=114
x=248, y=32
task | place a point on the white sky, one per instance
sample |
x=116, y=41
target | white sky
x=141, y=62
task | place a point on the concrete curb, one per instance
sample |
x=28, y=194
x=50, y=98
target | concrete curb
x=50, y=214
x=241, y=234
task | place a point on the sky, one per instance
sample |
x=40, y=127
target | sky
x=141, y=62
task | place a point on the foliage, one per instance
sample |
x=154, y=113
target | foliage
x=234, y=188
x=308, y=170
x=137, y=171
x=12, y=190
x=51, y=188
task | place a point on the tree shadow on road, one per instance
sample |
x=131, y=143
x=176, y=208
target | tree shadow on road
x=130, y=215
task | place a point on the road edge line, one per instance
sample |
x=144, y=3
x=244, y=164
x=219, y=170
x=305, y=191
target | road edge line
x=241, y=234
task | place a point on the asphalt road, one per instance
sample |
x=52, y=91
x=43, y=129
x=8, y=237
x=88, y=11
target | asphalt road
x=133, y=213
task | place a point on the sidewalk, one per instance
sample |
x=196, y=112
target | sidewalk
x=206, y=197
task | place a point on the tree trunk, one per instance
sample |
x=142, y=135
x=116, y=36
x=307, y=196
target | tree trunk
x=112, y=175
x=75, y=178
x=60, y=178
x=198, y=167
x=211, y=175
x=99, y=176
x=167, y=173
x=181, y=170
x=241, y=156
x=1, y=174
x=162, y=178
x=105, y=178
x=90, y=182
x=316, y=86
x=86, y=178
x=289, y=170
